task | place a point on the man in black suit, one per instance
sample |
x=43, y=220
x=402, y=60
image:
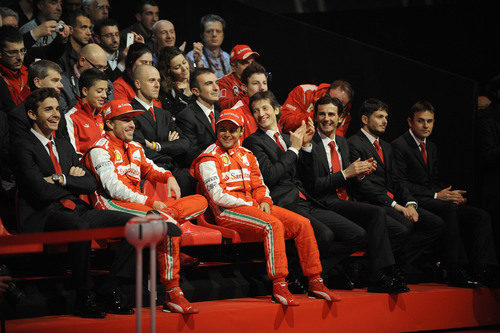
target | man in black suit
x=415, y=166
x=157, y=131
x=197, y=120
x=50, y=179
x=379, y=188
x=329, y=175
x=336, y=235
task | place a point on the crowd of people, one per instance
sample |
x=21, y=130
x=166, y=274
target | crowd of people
x=88, y=111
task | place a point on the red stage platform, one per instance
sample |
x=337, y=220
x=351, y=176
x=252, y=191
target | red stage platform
x=426, y=307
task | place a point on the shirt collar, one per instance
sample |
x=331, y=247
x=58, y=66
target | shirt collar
x=205, y=110
x=112, y=57
x=416, y=139
x=146, y=106
x=42, y=138
x=326, y=140
x=271, y=133
x=369, y=136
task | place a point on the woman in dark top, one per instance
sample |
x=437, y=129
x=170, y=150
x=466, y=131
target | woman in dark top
x=175, y=71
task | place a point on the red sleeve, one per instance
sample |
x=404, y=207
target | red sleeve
x=120, y=91
x=294, y=110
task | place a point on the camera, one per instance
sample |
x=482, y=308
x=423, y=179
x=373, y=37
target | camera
x=13, y=293
x=60, y=27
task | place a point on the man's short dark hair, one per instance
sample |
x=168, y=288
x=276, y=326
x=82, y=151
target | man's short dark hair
x=343, y=86
x=105, y=22
x=9, y=34
x=371, y=105
x=40, y=69
x=140, y=5
x=33, y=101
x=420, y=106
x=193, y=79
x=89, y=77
x=7, y=12
x=329, y=100
x=253, y=68
x=211, y=18
x=264, y=95
x=73, y=17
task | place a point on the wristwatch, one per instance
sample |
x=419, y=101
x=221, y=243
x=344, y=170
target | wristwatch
x=56, y=178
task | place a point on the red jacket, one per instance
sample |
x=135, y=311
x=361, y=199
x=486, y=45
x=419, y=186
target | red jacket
x=84, y=129
x=229, y=178
x=231, y=91
x=17, y=82
x=300, y=105
x=250, y=125
x=123, y=90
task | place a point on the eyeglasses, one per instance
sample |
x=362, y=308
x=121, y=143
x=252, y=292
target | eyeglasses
x=99, y=67
x=102, y=7
x=110, y=35
x=13, y=53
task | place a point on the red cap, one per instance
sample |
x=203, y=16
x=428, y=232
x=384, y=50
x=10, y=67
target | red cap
x=119, y=107
x=231, y=115
x=242, y=52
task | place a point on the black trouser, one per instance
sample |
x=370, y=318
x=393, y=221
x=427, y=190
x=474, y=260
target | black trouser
x=337, y=237
x=467, y=220
x=422, y=234
x=83, y=218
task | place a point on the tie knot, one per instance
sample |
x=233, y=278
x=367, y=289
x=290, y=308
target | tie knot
x=375, y=143
x=277, y=136
x=211, y=115
x=422, y=145
x=49, y=144
x=332, y=144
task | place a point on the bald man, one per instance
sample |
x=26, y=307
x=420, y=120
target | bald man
x=90, y=56
x=157, y=131
x=163, y=34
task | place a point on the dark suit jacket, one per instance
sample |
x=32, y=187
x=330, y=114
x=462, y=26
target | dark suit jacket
x=411, y=170
x=38, y=197
x=278, y=168
x=146, y=128
x=196, y=127
x=373, y=188
x=317, y=176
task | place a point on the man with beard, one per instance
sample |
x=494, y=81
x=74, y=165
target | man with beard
x=107, y=36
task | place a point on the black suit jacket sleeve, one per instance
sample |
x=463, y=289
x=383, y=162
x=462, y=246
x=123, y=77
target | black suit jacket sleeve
x=271, y=172
x=488, y=138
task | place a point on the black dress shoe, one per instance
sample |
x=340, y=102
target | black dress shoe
x=458, y=277
x=399, y=279
x=338, y=279
x=86, y=306
x=385, y=284
x=115, y=304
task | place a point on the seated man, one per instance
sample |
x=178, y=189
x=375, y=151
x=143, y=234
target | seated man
x=231, y=87
x=156, y=130
x=379, y=187
x=119, y=163
x=228, y=175
x=50, y=179
x=340, y=227
x=84, y=122
x=300, y=102
x=415, y=165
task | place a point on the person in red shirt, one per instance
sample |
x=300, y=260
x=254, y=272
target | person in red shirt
x=254, y=79
x=231, y=87
x=12, y=70
x=229, y=177
x=299, y=105
x=84, y=122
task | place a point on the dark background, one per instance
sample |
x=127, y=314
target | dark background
x=399, y=55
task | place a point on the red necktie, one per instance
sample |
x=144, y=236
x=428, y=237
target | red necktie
x=336, y=167
x=152, y=114
x=277, y=139
x=379, y=150
x=212, y=120
x=423, y=151
x=65, y=202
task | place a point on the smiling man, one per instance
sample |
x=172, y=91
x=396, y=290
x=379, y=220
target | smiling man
x=229, y=177
x=416, y=166
x=119, y=163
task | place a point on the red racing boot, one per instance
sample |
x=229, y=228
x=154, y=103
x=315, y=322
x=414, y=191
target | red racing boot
x=282, y=295
x=176, y=302
x=318, y=290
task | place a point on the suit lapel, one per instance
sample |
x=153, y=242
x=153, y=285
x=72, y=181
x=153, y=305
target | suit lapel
x=138, y=106
x=202, y=118
x=44, y=155
x=321, y=151
x=371, y=149
x=416, y=150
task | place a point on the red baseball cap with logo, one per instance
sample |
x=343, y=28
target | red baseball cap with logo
x=118, y=107
x=231, y=115
x=242, y=52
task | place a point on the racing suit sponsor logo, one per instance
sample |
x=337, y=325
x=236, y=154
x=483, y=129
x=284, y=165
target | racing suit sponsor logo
x=118, y=157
